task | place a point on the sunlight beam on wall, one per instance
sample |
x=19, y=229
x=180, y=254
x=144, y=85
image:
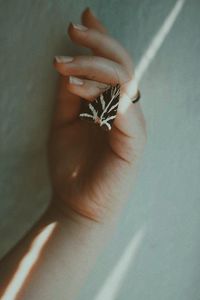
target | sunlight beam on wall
x=158, y=40
x=114, y=280
x=151, y=52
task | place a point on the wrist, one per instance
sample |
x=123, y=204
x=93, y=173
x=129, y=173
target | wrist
x=63, y=212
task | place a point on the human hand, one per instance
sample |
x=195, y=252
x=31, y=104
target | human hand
x=93, y=170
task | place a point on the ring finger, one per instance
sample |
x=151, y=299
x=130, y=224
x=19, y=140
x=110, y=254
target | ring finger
x=92, y=67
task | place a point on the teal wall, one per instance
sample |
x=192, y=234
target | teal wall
x=162, y=217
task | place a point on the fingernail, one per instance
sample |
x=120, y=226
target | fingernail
x=79, y=27
x=63, y=59
x=75, y=80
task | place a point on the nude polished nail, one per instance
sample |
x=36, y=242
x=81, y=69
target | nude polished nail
x=75, y=80
x=79, y=27
x=63, y=59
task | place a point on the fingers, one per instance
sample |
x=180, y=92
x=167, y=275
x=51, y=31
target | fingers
x=92, y=67
x=101, y=44
x=67, y=105
x=84, y=88
x=90, y=21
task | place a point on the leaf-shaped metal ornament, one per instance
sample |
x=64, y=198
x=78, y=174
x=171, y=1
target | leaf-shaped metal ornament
x=103, y=110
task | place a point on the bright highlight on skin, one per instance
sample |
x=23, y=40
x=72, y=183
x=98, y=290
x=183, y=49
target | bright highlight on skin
x=27, y=263
x=75, y=172
x=113, y=283
x=151, y=52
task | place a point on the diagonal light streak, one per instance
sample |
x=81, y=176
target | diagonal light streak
x=115, y=279
x=158, y=40
x=27, y=263
x=151, y=52
x=111, y=286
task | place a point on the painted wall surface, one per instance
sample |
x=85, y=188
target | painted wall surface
x=154, y=253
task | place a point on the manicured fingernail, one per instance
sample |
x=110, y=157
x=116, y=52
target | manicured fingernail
x=75, y=80
x=63, y=59
x=79, y=27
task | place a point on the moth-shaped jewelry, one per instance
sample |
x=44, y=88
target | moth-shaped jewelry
x=103, y=110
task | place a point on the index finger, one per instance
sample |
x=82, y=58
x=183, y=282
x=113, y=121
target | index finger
x=101, y=44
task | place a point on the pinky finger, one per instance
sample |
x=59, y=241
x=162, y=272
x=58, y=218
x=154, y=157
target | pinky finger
x=85, y=88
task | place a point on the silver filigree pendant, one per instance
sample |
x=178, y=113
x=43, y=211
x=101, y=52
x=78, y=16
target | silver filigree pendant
x=103, y=110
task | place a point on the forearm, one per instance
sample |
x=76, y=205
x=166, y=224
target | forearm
x=55, y=257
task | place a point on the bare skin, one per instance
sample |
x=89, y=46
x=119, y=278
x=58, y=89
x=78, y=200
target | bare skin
x=90, y=167
x=92, y=171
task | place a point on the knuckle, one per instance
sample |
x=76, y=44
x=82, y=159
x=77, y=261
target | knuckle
x=126, y=75
x=82, y=60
